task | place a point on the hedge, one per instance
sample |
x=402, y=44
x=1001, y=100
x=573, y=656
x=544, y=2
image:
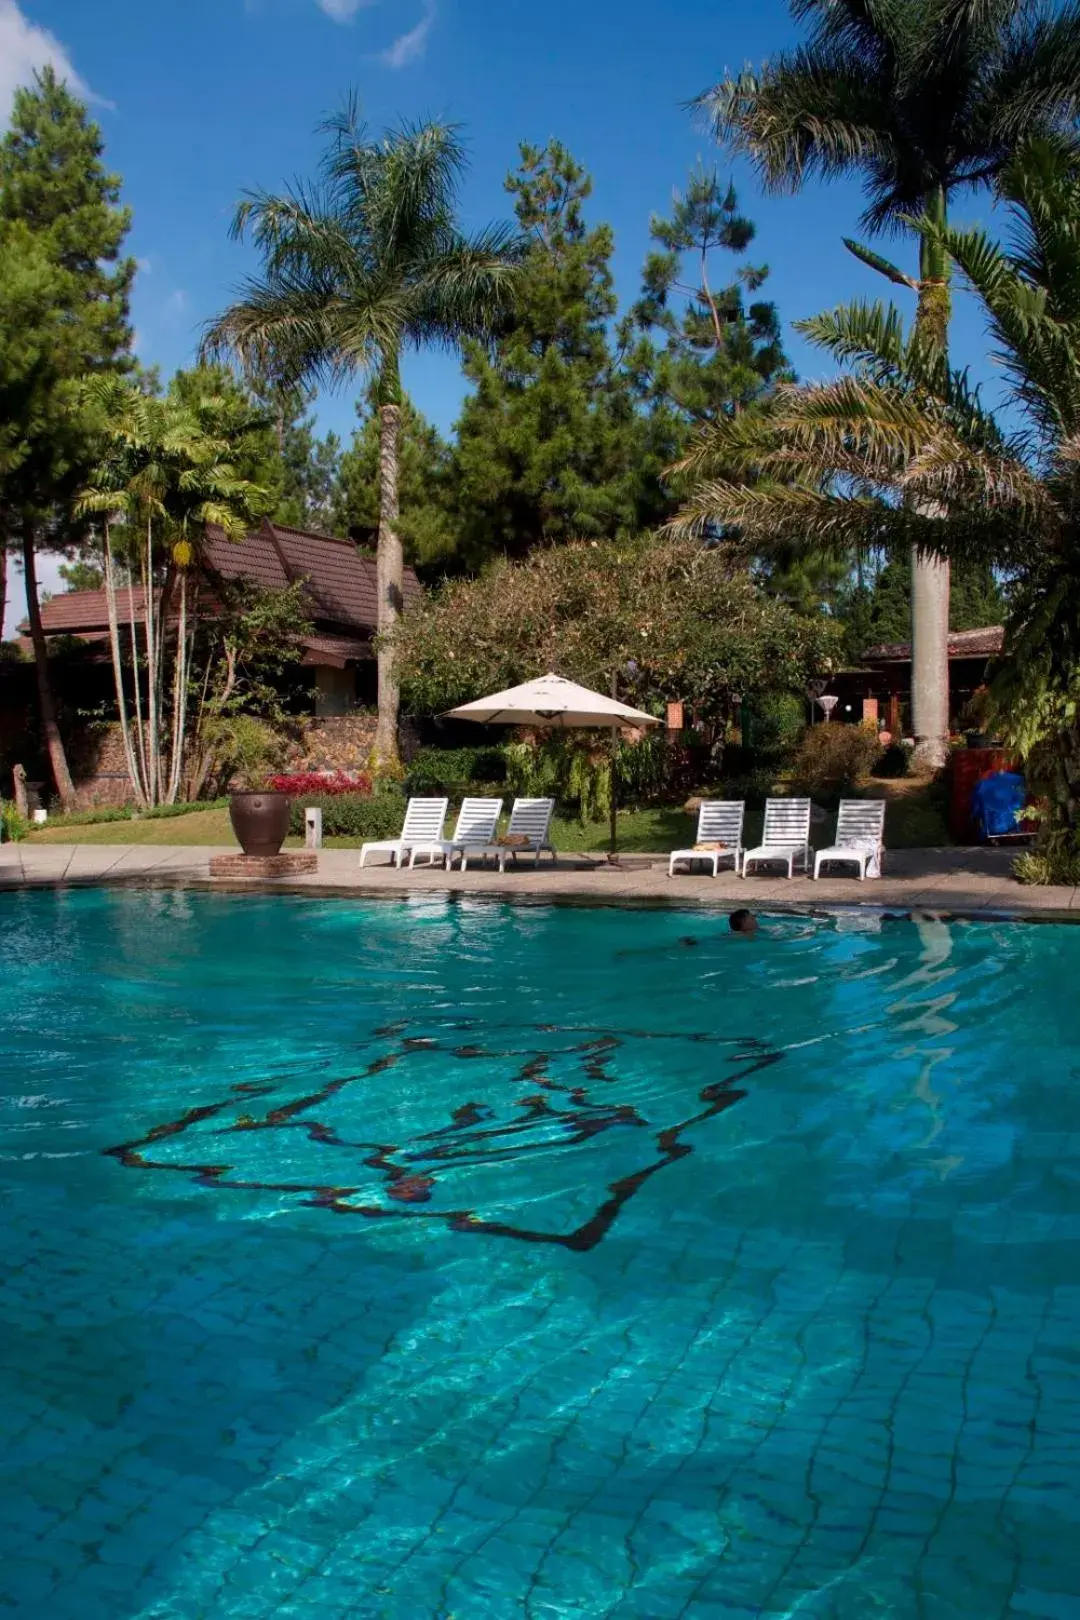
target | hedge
x=351, y=815
x=444, y=770
x=159, y=812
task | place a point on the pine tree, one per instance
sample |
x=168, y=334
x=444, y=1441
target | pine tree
x=427, y=528
x=550, y=444
x=879, y=609
x=60, y=207
x=715, y=354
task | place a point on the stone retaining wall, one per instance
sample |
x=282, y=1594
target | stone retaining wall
x=340, y=742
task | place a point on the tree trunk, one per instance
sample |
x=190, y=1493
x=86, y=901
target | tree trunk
x=53, y=741
x=390, y=572
x=929, y=573
x=137, y=783
x=3, y=579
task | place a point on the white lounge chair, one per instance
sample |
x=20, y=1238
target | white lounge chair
x=475, y=832
x=424, y=823
x=530, y=819
x=720, y=821
x=860, y=837
x=786, y=836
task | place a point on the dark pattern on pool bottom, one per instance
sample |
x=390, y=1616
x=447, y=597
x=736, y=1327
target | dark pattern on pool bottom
x=565, y=1113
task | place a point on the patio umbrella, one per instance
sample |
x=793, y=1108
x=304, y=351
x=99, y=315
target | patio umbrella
x=553, y=701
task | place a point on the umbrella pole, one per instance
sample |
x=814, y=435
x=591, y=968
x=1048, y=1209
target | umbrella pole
x=612, y=839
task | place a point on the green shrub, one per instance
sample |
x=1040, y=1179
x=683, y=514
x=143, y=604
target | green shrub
x=351, y=815
x=896, y=760
x=445, y=770
x=164, y=812
x=1054, y=860
x=13, y=827
x=754, y=786
x=777, y=721
x=832, y=759
x=159, y=812
x=644, y=769
x=90, y=818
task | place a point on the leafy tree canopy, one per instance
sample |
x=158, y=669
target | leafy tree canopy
x=693, y=629
x=64, y=291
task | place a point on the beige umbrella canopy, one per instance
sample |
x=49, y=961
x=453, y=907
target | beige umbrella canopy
x=553, y=701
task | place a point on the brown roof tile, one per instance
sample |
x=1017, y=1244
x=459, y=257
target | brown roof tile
x=76, y=611
x=340, y=582
x=335, y=650
x=985, y=643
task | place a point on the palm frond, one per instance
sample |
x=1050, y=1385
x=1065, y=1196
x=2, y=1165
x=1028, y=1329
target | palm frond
x=810, y=113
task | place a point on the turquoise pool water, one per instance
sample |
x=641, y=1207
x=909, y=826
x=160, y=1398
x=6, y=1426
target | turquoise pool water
x=483, y=1262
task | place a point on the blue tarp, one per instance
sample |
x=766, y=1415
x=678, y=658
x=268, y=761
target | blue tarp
x=995, y=801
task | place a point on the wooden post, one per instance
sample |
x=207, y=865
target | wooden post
x=894, y=716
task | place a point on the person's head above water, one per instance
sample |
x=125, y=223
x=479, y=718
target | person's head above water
x=742, y=922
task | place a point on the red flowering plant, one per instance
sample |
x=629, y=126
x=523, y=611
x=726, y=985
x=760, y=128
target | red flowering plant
x=320, y=782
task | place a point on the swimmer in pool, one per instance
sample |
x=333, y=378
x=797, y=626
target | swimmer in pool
x=743, y=922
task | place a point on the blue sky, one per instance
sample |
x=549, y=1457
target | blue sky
x=202, y=98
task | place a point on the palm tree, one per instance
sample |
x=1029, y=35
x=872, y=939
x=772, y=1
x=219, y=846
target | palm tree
x=903, y=452
x=166, y=471
x=356, y=270
x=924, y=98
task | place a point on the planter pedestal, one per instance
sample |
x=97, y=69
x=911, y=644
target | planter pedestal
x=260, y=868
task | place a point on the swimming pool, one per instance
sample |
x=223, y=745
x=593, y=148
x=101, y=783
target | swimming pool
x=429, y=1259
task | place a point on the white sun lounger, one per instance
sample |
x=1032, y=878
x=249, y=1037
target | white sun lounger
x=529, y=819
x=477, y=822
x=720, y=821
x=786, y=836
x=424, y=823
x=860, y=838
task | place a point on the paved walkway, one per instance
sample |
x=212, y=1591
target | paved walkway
x=949, y=880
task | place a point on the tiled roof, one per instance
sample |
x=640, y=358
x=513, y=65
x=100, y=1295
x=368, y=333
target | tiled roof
x=985, y=643
x=335, y=650
x=340, y=582
x=76, y=612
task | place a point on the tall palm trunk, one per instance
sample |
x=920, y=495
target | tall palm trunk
x=3, y=579
x=54, y=743
x=390, y=568
x=929, y=573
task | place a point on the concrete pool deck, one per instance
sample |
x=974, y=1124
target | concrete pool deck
x=959, y=881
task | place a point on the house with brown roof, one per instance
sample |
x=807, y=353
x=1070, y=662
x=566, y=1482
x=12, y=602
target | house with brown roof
x=339, y=582
x=881, y=686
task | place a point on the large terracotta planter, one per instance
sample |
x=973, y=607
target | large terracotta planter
x=260, y=821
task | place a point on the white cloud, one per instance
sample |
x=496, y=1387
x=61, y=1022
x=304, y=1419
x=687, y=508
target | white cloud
x=410, y=47
x=177, y=301
x=144, y=266
x=344, y=11
x=24, y=48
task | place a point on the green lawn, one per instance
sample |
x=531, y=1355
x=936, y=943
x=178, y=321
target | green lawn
x=915, y=819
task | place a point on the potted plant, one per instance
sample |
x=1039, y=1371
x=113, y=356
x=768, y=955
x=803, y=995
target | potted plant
x=260, y=820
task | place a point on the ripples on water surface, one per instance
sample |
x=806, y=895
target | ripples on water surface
x=460, y=1260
